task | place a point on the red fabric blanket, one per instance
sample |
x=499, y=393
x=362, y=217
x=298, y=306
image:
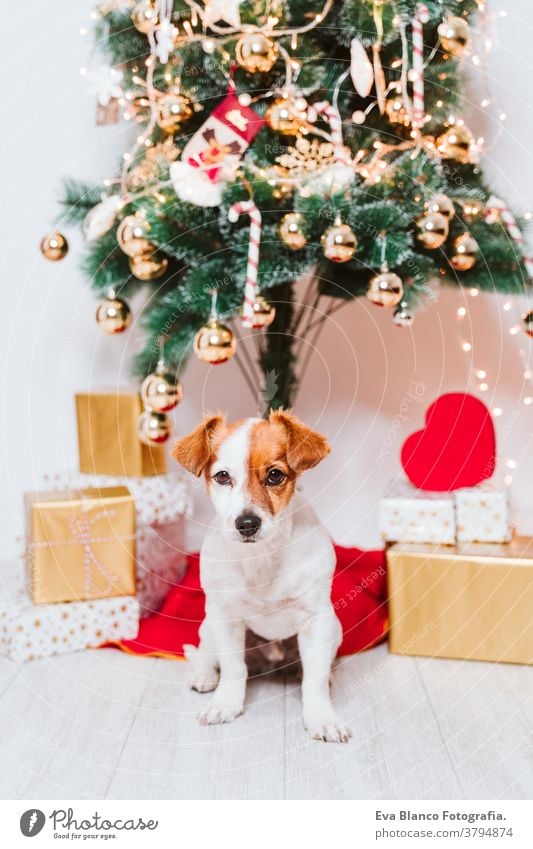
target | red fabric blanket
x=358, y=595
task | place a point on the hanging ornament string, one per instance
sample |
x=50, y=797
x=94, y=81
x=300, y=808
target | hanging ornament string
x=421, y=16
x=405, y=69
x=340, y=152
x=496, y=204
x=249, y=208
x=379, y=76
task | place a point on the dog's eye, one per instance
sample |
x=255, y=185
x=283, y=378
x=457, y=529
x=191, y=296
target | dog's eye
x=275, y=477
x=222, y=478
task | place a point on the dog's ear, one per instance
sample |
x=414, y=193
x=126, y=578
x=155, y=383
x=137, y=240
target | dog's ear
x=305, y=447
x=194, y=451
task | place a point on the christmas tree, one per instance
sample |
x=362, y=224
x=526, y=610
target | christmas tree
x=277, y=139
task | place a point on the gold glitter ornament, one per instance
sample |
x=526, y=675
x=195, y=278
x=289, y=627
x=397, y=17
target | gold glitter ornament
x=153, y=428
x=465, y=254
x=432, y=230
x=148, y=267
x=113, y=314
x=54, y=247
x=173, y=110
x=284, y=117
x=458, y=143
x=256, y=53
x=454, y=35
x=291, y=231
x=132, y=236
x=264, y=313
x=339, y=242
x=385, y=289
x=161, y=391
x=442, y=204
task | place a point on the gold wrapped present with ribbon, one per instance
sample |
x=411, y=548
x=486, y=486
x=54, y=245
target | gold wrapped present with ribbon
x=108, y=443
x=472, y=601
x=80, y=544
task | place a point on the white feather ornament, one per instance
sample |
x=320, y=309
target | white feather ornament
x=360, y=68
x=101, y=217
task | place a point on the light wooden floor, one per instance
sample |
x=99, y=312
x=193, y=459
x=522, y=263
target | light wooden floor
x=103, y=724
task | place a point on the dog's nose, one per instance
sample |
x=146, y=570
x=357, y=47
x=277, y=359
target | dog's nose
x=247, y=524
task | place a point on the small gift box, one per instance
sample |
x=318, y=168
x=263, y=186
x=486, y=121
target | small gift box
x=408, y=514
x=107, y=436
x=469, y=601
x=161, y=505
x=483, y=514
x=28, y=632
x=80, y=544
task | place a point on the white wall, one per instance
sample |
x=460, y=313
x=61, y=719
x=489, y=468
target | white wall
x=360, y=382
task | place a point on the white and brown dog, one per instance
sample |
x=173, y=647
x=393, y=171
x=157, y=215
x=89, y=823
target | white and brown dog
x=266, y=564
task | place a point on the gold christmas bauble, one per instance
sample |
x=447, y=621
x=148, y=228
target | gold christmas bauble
x=54, y=246
x=113, y=315
x=432, y=230
x=161, y=391
x=256, y=52
x=385, y=289
x=144, y=16
x=402, y=316
x=284, y=117
x=527, y=323
x=173, y=110
x=441, y=203
x=148, y=266
x=457, y=143
x=132, y=236
x=396, y=111
x=465, y=254
x=454, y=35
x=291, y=232
x=339, y=242
x=264, y=313
x=153, y=428
x=214, y=343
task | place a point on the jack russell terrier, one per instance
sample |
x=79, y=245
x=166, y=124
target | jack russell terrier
x=266, y=564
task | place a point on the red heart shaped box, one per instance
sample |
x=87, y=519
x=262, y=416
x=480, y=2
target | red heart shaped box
x=456, y=448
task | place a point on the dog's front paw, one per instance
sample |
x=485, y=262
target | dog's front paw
x=205, y=682
x=216, y=714
x=327, y=727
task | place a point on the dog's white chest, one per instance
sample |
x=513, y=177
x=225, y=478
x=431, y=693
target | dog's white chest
x=272, y=615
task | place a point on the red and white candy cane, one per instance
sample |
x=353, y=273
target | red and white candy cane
x=340, y=152
x=421, y=16
x=248, y=207
x=513, y=229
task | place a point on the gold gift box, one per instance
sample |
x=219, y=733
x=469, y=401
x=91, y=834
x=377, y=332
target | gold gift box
x=468, y=601
x=80, y=544
x=107, y=436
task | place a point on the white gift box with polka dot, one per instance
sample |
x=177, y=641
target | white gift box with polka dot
x=30, y=632
x=408, y=514
x=483, y=514
x=162, y=503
